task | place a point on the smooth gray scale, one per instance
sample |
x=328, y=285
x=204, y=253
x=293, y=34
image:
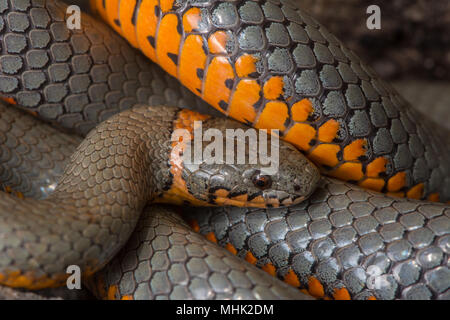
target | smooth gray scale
x=10, y=64
x=298, y=33
x=319, y=211
x=415, y=146
x=224, y=15
x=344, y=236
x=28, y=99
x=398, y=133
x=349, y=256
x=8, y=84
x=355, y=98
x=337, y=53
x=341, y=218
x=15, y=43
x=308, y=83
x=421, y=238
x=420, y=171
x=33, y=79
x=370, y=243
x=59, y=31
x=18, y=22
x=382, y=143
x=251, y=38
x=322, y=248
x=391, y=232
x=320, y=228
x=291, y=14
x=277, y=35
x=417, y=292
x=378, y=116
x=438, y=279
x=365, y=225
x=359, y=124
x=402, y=158
x=272, y=12
x=356, y=67
x=315, y=35
x=330, y=78
x=250, y=12
x=304, y=57
x=52, y=111
x=322, y=53
x=280, y=61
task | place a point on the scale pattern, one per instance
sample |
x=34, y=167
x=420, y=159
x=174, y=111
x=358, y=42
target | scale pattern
x=165, y=259
x=344, y=242
x=116, y=170
x=269, y=64
x=33, y=39
x=32, y=155
x=75, y=78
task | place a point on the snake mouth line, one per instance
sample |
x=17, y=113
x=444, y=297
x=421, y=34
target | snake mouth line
x=258, y=202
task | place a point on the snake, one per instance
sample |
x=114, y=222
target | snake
x=269, y=65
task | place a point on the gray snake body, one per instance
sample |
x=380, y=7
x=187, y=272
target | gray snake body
x=342, y=238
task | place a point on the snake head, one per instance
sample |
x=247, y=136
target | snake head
x=240, y=166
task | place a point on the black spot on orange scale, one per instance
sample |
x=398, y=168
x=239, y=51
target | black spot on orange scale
x=191, y=20
x=286, y=124
x=180, y=29
x=229, y=83
x=273, y=116
x=157, y=11
x=192, y=63
x=173, y=57
x=362, y=159
x=200, y=73
x=167, y=49
x=223, y=105
x=167, y=5
x=237, y=194
x=128, y=12
x=151, y=40
x=339, y=155
x=135, y=11
x=246, y=95
x=218, y=71
x=254, y=196
x=145, y=28
x=112, y=15
x=326, y=168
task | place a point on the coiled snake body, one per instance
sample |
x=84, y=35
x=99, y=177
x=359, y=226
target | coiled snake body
x=269, y=65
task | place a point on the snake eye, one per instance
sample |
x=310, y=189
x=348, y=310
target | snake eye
x=262, y=181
